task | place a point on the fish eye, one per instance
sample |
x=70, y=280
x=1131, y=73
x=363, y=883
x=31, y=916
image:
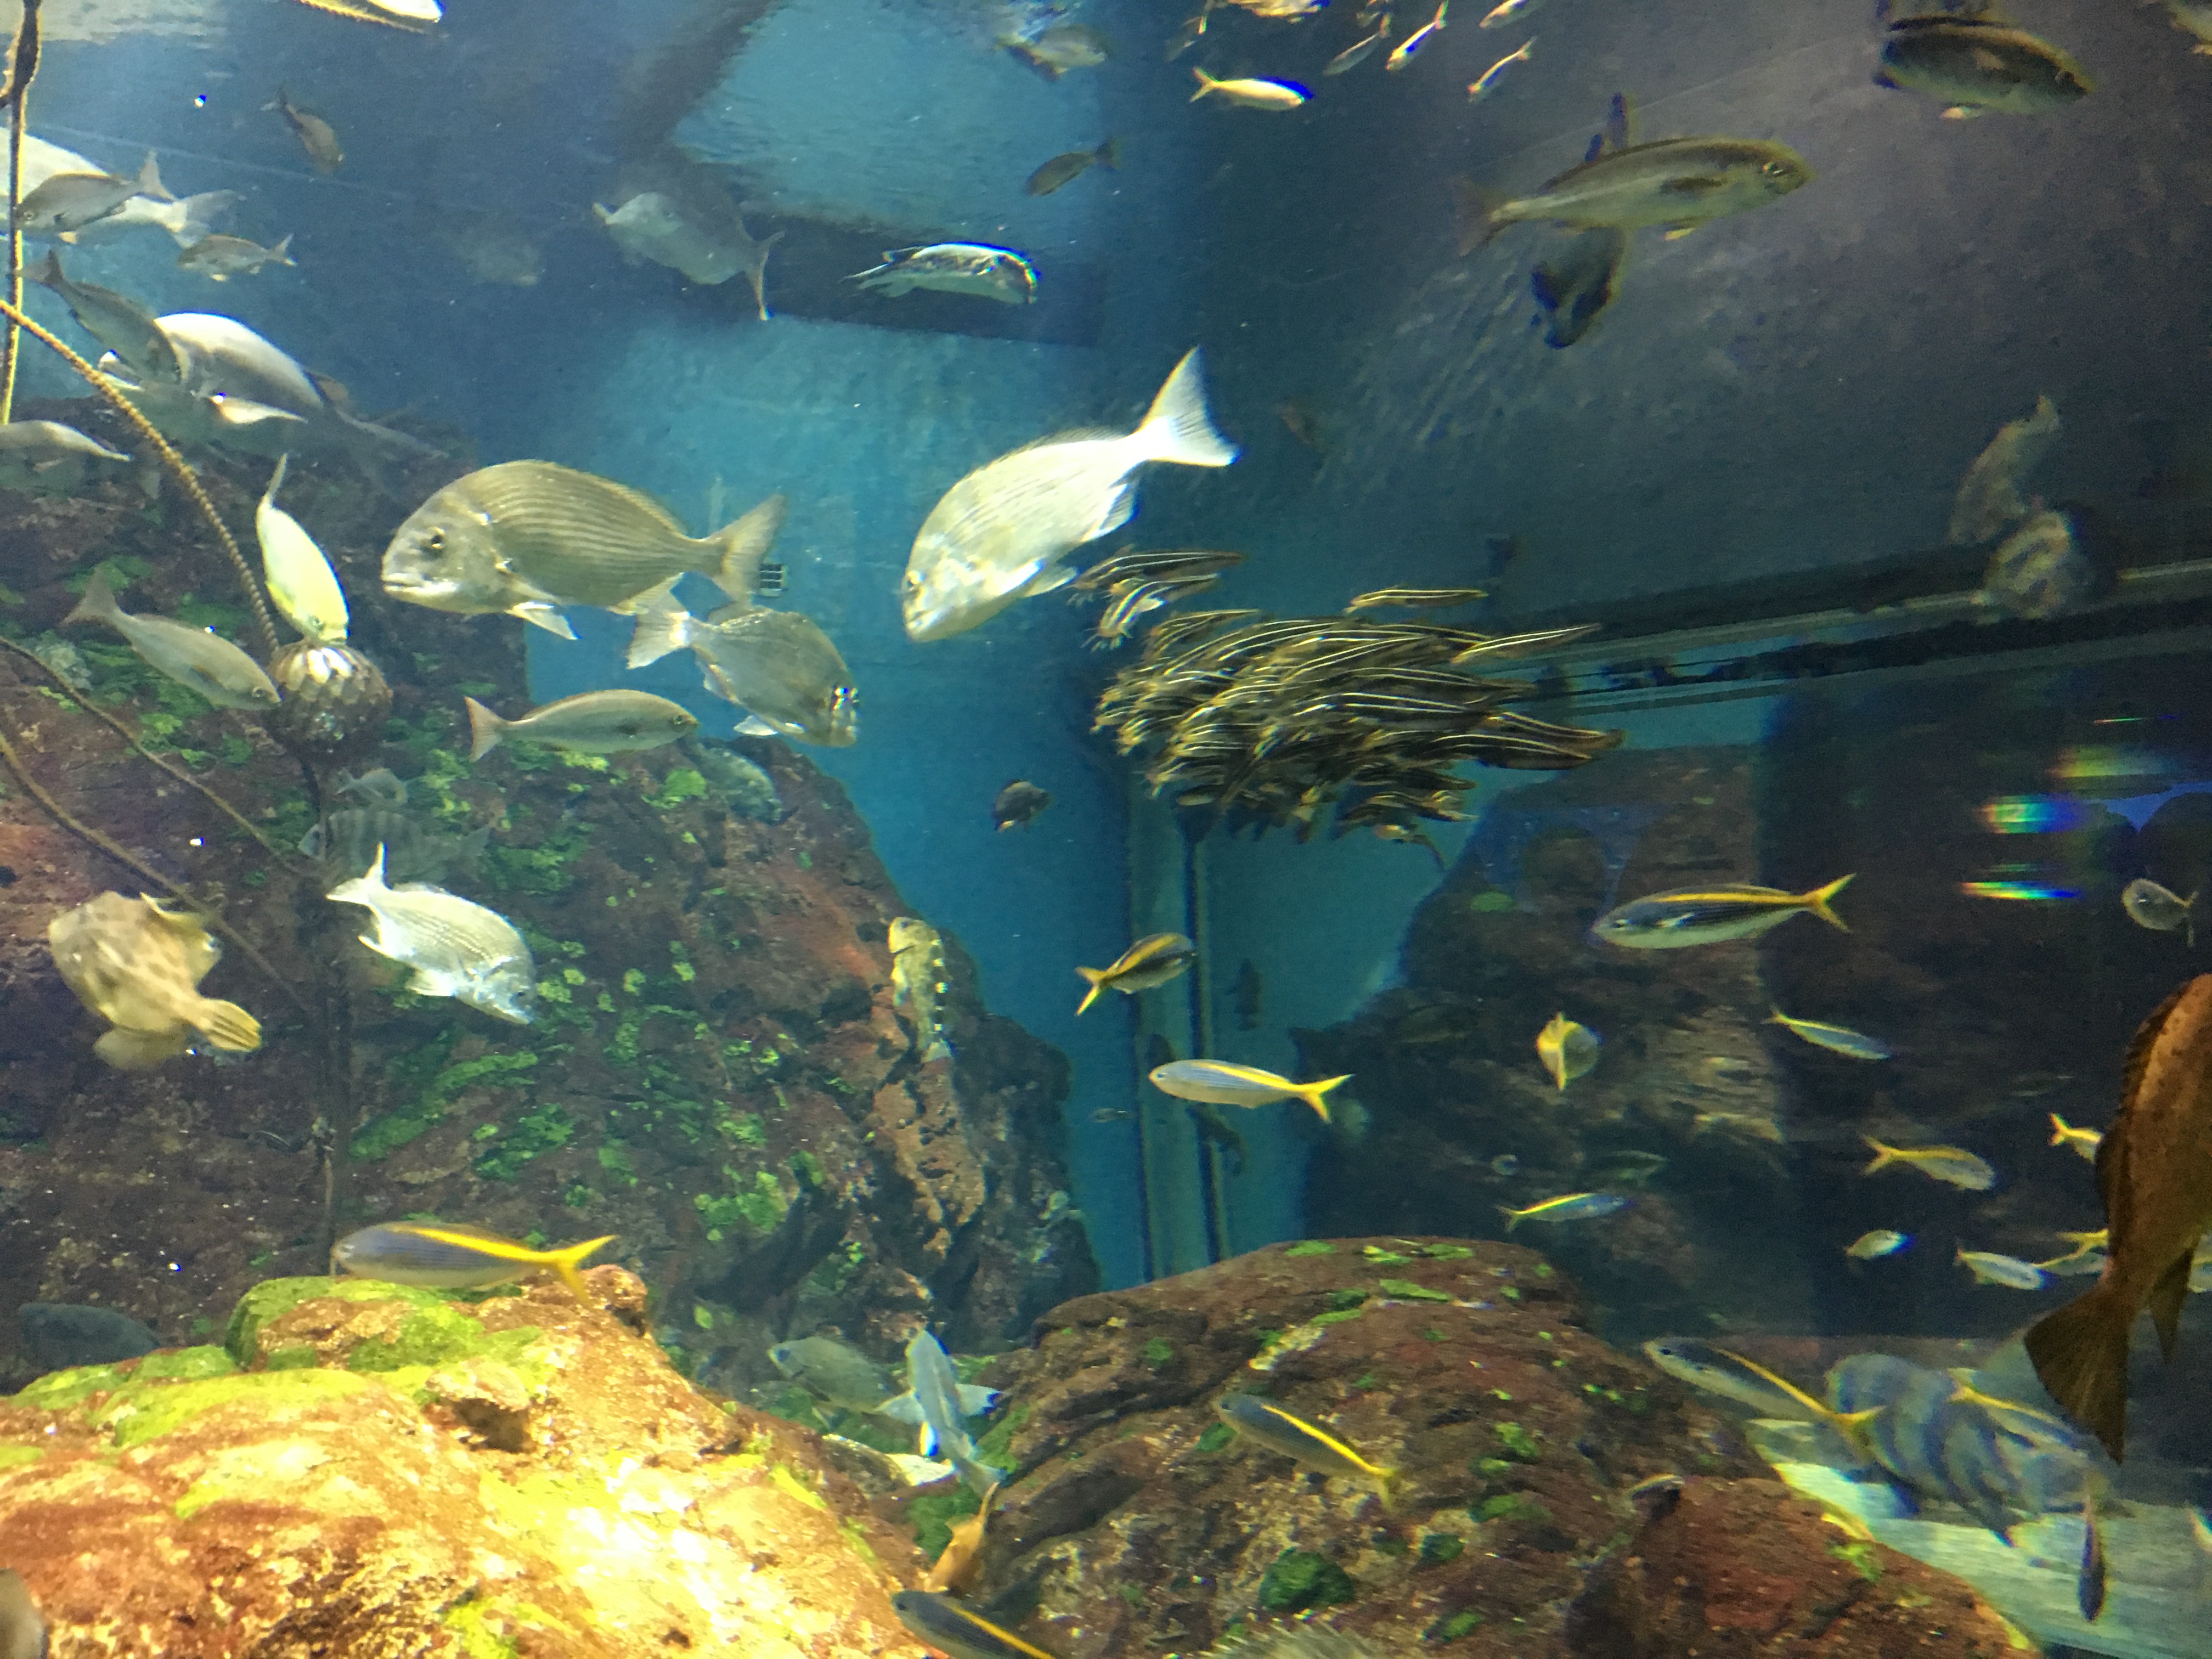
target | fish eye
x=435, y=541
x=1773, y=169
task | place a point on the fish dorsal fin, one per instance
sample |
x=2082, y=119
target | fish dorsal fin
x=2146, y=1037
x=2112, y=1183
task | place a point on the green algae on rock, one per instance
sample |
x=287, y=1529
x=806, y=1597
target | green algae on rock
x=414, y=1472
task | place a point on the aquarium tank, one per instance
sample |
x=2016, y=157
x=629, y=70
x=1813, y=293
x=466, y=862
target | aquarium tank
x=1231, y=829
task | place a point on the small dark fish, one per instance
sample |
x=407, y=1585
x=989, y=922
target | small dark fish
x=1067, y=168
x=2053, y=564
x=2154, y=1172
x=1655, y=1496
x=60, y=1335
x=2089, y=1585
x=346, y=842
x=1246, y=992
x=1576, y=284
x=316, y=135
x=1112, y=1115
x=1299, y=420
x=1503, y=549
x=1017, y=805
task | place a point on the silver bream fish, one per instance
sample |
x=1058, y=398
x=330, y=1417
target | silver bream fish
x=197, y=657
x=1001, y=533
x=527, y=537
x=457, y=948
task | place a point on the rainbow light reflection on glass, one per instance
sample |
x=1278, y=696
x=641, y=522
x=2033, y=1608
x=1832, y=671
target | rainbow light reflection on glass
x=2030, y=892
x=2033, y=815
x=2084, y=762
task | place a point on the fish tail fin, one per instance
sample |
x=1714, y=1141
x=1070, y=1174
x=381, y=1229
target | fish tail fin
x=663, y=626
x=1386, y=1486
x=1816, y=901
x=2080, y=1355
x=1177, y=427
x=1311, y=1093
x=229, y=1026
x=47, y=273
x=361, y=889
x=742, y=543
x=282, y=254
x=2059, y=1127
x=1108, y=155
x=1205, y=84
x=485, y=729
x=97, y=604
x=150, y=182
x=1512, y=1218
x=1883, y=1155
x=1475, y=216
x=1096, y=977
x=194, y=217
x=939, y=1048
x=566, y=1262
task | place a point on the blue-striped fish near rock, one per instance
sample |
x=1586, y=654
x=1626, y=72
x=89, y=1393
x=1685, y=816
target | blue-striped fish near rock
x=918, y=984
x=951, y=1627
x=1989, y=1267
x=1710, y=916
x=1570, y=1207
x=448, y=1256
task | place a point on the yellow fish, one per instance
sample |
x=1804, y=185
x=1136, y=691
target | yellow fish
x=2084, y=1141
x=1955, y=1165
x=138, y=967
x=1278, y=1431
x=1152, y=960
x=447, y=1255
x=1223, y=1082
x=1568, y=1050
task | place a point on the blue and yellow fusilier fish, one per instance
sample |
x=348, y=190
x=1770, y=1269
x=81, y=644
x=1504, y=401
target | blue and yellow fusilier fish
x=446, y=1255
x=1278, y=1431
x=1570, y=1207
x=1709, y=915
x=1837, y=1039
x=1152, y=960
x=1225, y=1083
x=950, y=1628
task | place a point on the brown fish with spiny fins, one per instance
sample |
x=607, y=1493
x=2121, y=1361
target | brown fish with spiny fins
x=2155, y=1173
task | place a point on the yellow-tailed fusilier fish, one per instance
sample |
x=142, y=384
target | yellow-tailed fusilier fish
x=1152, y=960
x=1487, y=82
x=219, y=258
x=1730, y=1374
x=2083, y=1141
x=1250, y=92
x=301, y=583
x=1292, y=1437
x=918, y=983
x=527, y=537
x=1989, y=1267
x=593, y=723
x=954, y=1629
x=1224, y=1083
x=1414, y=44
x=1973, y=65
x=1359, y=51
x=1836, y=1039
x=1680, y=183
x=2158, y=909
x=1003, y=532
x=197, y=657
x=1569, y=1207
x=1881, y=1241
x=68, y=200
x=446, y=1255
x=317, y=136
x=1708, y=915
x=1508, y=11
x=1568, y=1050
x=138, y=967
x=1989, y=498
x=1954, y=1165
x=973, y=268
x=457, y=948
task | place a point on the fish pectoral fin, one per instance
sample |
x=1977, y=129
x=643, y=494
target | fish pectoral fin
x=539, y=614
x=1050, y=577
x=901, y=1408
x=1676, y=233
x=2166, y=1299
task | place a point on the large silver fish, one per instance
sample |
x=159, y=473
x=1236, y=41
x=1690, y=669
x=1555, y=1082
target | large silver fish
x=1002, y=533
x=456, y=948
x=68, y=200
x=778, y=666
x=118, y=322
x=1680, y=183
x=527, y=537
x=197, y=657
x=188, y=220
x=709, y=249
